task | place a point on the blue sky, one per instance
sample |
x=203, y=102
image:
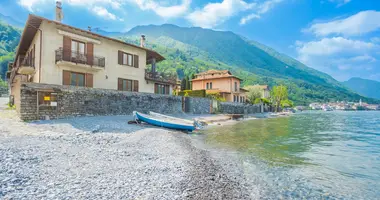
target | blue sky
x=339, y=37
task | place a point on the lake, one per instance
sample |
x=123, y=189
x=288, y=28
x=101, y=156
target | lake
x=311, y=155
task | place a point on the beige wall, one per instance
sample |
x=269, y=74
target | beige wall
x=222, y=84
x=52, y=74
x=37, y=45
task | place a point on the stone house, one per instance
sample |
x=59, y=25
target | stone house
x=51, y=52
x=220, y=81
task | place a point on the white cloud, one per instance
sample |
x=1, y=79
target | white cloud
x=260, y=9
x=358, y=24
x=329, y=46
x=248, y=18
x=216, y=13
x=340, y=2
x=375, y=39
x=29, y=4
x=164, y=11
x=103, y=12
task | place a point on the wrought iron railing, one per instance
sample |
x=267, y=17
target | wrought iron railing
x=160, y=77
x=28, y=61
x=79, y=57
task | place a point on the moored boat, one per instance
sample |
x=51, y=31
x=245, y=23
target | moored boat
x=165, y=121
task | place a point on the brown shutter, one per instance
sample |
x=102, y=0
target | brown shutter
x=120, y=58
x=90, y=53
x=119, y=84
x=89, y=80
x=66, y=77
x=167, y=89
x=66, y=48
x=156, y=88
x=136, y=61
x=135, y=85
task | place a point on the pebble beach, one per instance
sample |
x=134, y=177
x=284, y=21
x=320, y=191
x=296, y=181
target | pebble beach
x=107, y=158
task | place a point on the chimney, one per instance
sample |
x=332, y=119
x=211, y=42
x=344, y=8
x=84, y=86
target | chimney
x=142, y=41
x=58, y=11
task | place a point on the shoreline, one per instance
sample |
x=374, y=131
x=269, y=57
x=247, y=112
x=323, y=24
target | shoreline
x=105, y=157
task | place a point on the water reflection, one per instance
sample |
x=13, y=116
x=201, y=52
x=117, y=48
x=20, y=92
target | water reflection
x=337, y=152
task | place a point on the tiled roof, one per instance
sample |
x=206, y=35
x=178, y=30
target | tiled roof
x=213, y=74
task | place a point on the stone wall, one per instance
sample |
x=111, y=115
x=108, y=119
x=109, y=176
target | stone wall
x=79, y=101
x=3, y=91
x=197, y=105
x=239, y=108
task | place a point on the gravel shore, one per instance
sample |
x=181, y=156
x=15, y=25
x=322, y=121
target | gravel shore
x=106, y=158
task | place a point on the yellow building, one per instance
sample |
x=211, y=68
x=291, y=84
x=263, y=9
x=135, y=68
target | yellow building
x=221, y=81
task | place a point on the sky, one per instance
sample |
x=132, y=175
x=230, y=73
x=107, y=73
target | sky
x=338, y=37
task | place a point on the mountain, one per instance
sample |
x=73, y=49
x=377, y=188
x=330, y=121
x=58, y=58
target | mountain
x=191, y=50
x=365, y=87
x=9, y=39
x=11, y=21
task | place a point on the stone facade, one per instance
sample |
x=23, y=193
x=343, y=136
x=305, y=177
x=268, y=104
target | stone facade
x=80, y=101
x=239, y=108
x=197, y=105
x=3, y=91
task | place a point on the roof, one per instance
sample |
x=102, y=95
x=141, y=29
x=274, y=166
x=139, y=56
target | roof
x=214, y=74
x=33, y=23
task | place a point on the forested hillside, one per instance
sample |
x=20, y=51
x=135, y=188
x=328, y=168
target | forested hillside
x=9, y=38
x=192, y=50
x=365, y=87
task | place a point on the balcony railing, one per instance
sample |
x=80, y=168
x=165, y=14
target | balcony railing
x=79, y=57
x=160, y=77
x=28, y=62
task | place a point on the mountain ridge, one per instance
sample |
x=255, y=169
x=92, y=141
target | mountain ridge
x=365, y=87
x=190, y=50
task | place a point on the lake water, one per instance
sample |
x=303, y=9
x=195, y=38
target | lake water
x=311, y=155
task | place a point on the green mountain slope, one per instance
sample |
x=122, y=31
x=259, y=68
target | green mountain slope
x=365, y=87
x=9, y=38
x=252, y=61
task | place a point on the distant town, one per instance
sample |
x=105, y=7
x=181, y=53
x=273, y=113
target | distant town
x=343, y=105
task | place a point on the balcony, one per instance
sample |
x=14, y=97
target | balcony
x=78, y=59
x=27, y=66
x=160, y=77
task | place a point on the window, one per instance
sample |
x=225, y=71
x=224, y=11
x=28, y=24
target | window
x=241, y=99
x=161, y=89
x=77, y=79
x=127, y=59
x=210, y=85
x=127, y=85
x=77, y=48
x=207, y=86
x=236, y=86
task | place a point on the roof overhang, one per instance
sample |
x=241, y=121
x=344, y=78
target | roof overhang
x=32, y=26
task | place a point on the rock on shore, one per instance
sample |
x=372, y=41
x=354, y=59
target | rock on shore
x=64, y=159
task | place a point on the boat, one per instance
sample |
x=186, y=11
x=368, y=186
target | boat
x=165, y=121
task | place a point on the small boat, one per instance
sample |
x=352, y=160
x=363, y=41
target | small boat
x=165, y=121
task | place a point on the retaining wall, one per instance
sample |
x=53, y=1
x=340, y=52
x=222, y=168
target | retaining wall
x=239, y=108
x=79, y=101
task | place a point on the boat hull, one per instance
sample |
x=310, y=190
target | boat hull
x=164, y=124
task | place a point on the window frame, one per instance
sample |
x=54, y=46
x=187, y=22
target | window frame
x=127, y=59
x=128, y=82
x=161, y=89
x=77, y=79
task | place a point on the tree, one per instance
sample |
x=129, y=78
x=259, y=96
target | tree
x=253, y=94
x=278, y=94
x=287, y=103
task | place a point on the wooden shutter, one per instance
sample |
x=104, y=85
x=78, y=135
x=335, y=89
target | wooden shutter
x=89, y=80
x=136, y=61
x=90, y=53
x=66, y=48
x=119, y=84
x=66, y=77
x=120, y=57
x=156, y=88
x=167, y=89
x=135, y=85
